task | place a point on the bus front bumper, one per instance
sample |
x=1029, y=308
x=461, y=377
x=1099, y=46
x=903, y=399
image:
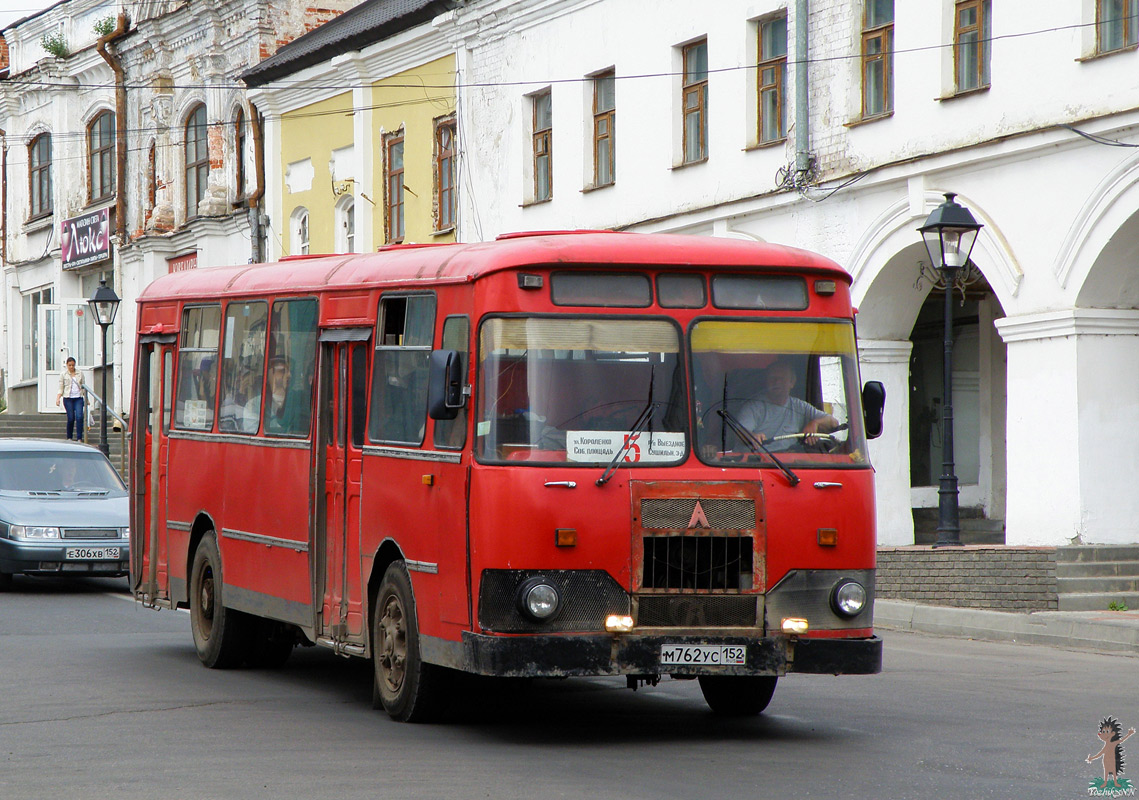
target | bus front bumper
x=559, y=656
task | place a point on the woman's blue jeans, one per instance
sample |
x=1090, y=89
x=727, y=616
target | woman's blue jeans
x=74, y=407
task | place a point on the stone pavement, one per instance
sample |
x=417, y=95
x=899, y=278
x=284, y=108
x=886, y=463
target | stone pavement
x=1101, y=631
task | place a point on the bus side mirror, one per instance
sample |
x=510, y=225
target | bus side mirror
x=873, y=403
x=445, y=394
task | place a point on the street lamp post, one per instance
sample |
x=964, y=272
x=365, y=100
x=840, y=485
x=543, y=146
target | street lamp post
x=104, y=305
x=949, y=234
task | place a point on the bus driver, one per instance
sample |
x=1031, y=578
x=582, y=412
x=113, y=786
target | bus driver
x=776, y=413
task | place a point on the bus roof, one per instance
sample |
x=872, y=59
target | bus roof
x=461, y=263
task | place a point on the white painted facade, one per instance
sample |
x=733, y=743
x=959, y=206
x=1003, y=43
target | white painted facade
x=1045, y=371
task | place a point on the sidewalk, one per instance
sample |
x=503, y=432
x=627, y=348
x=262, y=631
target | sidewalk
x=1103, y=631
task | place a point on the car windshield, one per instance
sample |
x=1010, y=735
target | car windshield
x=570, y=390
x=788, y=386
x=58, y=472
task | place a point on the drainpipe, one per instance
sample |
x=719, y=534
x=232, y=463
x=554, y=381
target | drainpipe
x=802, y=109
x=254, y=200
x=120, y=124
x=3, y=198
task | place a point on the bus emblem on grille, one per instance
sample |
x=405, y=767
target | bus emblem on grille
x=699, y=520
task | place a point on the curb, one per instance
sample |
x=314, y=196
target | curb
x=1113, y=632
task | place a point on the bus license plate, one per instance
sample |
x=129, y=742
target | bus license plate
x=92, y=554
x=703, y=654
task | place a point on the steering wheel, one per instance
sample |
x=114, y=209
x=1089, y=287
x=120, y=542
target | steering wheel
x=80, y=486
x=826, y=442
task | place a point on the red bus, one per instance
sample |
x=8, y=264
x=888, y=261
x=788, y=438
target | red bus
x=556, y=454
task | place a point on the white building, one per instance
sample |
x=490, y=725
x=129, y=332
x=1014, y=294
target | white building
x=598, y=113
x=158, y=132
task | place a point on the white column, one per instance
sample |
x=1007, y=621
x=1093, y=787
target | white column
x=1073, y=445
x=889, y=362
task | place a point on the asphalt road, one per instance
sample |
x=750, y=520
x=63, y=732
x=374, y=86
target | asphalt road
x=105, y=699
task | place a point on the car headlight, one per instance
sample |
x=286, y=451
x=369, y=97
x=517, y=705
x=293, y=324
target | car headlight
x=34, y=532
x=848, y=598
x=538, y=600
x=125, y=533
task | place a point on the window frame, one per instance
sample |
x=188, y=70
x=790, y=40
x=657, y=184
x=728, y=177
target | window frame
x=395, y=223
x=1128, y=22
x=376, y=428
x=445, y=168
x=883, y=34
x=542, y=145
x=199, y=164
x=777, y=63
x=299, y=239
x=40, y=196
x=103, y=154
x=604, y=143
x=697, y=88
x=980, y=45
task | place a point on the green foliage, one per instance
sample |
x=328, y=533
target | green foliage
x=1117, y=606
x=55, y=44
x=104, y=26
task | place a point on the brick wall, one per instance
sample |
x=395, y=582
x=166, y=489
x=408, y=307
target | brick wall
x=1000, y=578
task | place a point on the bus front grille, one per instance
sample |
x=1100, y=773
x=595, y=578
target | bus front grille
x=717, y=513
x=698, y=562
x=697, y=611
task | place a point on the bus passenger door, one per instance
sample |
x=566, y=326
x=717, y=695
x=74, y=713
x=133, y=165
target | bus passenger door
x=148, y=468
x=343, y=386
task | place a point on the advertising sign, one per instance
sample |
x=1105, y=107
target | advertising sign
x=86, y=240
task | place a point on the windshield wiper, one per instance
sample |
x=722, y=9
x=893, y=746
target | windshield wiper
x=755, y=444
x=644, y=419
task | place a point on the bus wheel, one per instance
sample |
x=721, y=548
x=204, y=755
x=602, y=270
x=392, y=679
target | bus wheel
x=219, y=632
x=737, y=695
x=408, y=689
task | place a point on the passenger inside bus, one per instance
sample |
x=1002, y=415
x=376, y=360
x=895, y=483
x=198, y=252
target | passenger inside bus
x=241, y=406
x=284, y=411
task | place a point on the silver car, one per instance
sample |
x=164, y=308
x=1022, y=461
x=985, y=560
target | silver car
x=63, y=511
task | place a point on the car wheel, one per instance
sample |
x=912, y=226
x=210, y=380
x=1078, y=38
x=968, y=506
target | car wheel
x=408, y=689
x=220, y=633
x=737, y=695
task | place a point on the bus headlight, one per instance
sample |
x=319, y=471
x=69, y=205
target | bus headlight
x=848, y=598
x=538, y=600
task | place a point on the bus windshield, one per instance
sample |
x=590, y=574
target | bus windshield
x=788, y=386
x=570, y=390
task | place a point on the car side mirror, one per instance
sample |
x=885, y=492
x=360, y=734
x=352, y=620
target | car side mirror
x=873, y=404
x=445, y=388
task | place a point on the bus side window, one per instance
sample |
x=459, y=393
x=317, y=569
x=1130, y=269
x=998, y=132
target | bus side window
x=243, y=367
x=291, y=367
x=198, y=368
x=399, y=370
x=451, y=434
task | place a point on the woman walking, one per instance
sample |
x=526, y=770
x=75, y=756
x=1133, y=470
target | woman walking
x=71, y=389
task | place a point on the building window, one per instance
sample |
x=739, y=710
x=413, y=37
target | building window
x=346, y=225
x=300, y=232
x=1117, y=22
x=197, y=160
x=39, y=175
x=604, y=119
x=393, y=182
x=151, y=179
x=877, y=58
x=971, y=36
x=695, y=100
x=445, y=174
x=239, y=152
x=543, y=146
x=101, y=157
x=772, y=78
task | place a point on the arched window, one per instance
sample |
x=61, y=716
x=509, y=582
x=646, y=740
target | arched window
x=151, y=179
x=39, y=175
x=197, y=160
x=239, y=152
x=101, y=157
x=300, y=232
x=346, y=224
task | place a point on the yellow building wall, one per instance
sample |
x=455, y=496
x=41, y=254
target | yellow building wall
x=313, y=132
x=412, y=101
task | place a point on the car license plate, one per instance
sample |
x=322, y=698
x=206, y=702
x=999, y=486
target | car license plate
x=703, y=654
x=92, y=554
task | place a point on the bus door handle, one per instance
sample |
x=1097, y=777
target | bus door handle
x=562, y=484
x=827, y=485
